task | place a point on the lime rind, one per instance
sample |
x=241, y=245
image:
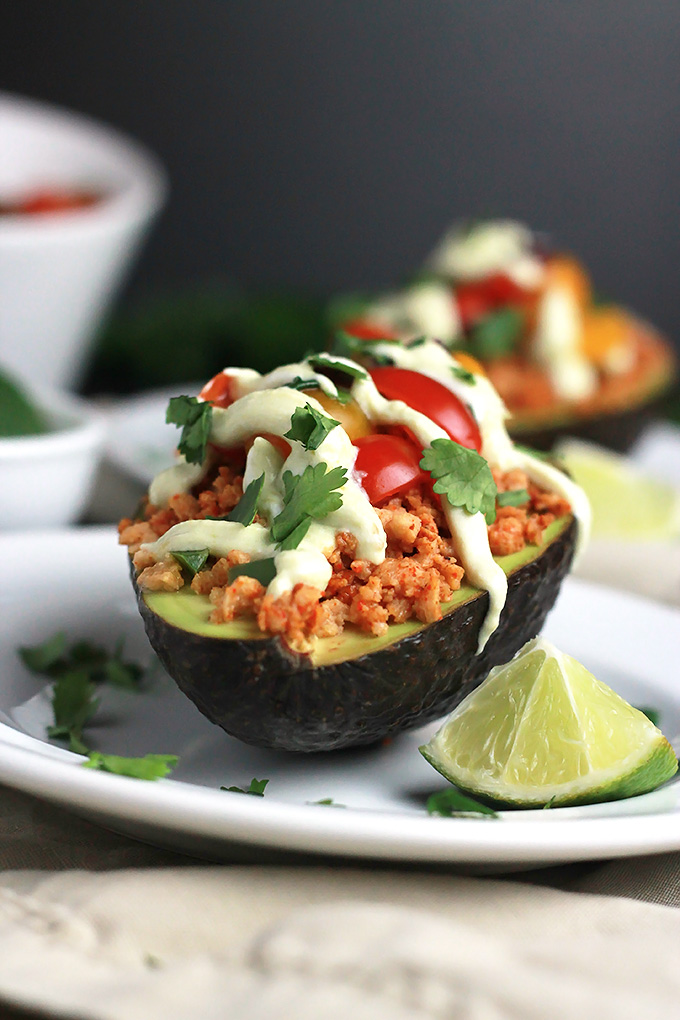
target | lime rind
x=542, y=730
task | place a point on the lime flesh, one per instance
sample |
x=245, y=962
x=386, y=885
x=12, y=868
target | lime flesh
x=542, y=730
x=626, y=503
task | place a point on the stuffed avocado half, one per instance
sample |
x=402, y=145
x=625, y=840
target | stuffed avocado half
x=343, y=550
x=564, y=360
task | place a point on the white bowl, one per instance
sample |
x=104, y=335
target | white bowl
x=45, y=480
x=59, y=273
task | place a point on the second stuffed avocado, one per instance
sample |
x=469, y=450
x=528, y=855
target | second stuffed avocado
x=341, y=553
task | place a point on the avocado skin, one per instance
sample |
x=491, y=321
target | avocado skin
x=266, y=695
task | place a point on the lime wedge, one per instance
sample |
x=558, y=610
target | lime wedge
x=542, y=730
x=626, y=503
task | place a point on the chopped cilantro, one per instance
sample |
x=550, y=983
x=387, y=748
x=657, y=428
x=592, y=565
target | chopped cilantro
x=192, y=559
x=351, y=346
x=328, y=362
x=496, y=334
x=54, y=660
x=263, y=570
x=309, y=496
x=73, y=704
x=195, y=417
x=464, y=375
x=513, y=497
x=419, y=341
x=151, y=766
x=299, y=383
x=451, y=803
x=325, y=802
x=246, y=508
x=310, y=427
x=462, y=475
x=256, y=788
x=652, y=714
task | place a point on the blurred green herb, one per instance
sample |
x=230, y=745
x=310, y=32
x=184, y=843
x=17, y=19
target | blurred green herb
x=514, y=497
x=263, y=571
x=195, y=418
x=192, y=560
x=18, y=416
x=451, y=803
x=256, y=788
x=150, y=767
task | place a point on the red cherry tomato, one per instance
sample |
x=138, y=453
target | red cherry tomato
x=387, y=465
x=364, y=329
x=219, y=390
x=475, y=300
x=431, y=398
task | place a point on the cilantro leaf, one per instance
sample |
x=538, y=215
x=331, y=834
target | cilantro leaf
x=419, y=341
x=513, y=497
x=195, y=417
x=54, y=660
x=192, y=559
x=328, y=362
x=496, y=334
x=309, y=496
x=464, y=375
x=73, y=705
x=325, y=802
x=299, y=383
x=151, y=766
x=463, y=476
x=246, y=508
x=310, y=427
x=256, y=788
x=450, y=803
x=42, y=658
x=349, y=346
x=263, y=570
x=652, y=714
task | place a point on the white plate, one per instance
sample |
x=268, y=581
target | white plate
x=77, y=581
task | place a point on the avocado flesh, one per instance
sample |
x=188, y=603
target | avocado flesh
x=355, y=688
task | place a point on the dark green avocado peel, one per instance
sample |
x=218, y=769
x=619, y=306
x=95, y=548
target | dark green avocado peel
x=354, y=689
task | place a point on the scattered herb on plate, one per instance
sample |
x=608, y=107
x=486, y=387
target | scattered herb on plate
x=151, y=766
x=256, y=788
x=452, y=803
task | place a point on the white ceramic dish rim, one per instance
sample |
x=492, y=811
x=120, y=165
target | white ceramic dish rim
x=136, y=199
x=79, y=427
x=650, y=823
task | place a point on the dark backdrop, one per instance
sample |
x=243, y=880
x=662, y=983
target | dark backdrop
x=327, y=143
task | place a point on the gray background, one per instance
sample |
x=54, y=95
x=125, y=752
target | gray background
x=327, y=143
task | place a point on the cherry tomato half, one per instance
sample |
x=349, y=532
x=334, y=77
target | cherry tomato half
x=387, y=465
x=219, y=390
x=475, y=300
x=431, y=398
x=365, y=329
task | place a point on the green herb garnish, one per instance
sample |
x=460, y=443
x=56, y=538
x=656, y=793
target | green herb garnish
x=513, y=497
x=497, y=334
x=195, y=417
x=54, y=660
x=464, y=375
x=309, y=496
x=463, y=476
x=256, y=788
x=151, y=766
x=192, y=560
x=350, y=346
x=419, y=341
x=246, y=508
x=73, y=705
x=326, y=802
x=653, y=714
x=75, y=672
x=263, y=571
x=310, y=427
x=450, y=803
x=328, y=362
x=298, y=383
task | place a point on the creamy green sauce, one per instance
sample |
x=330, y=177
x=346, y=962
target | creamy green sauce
x=265, y=404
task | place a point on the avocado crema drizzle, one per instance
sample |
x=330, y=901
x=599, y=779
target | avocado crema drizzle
x=266, y=404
